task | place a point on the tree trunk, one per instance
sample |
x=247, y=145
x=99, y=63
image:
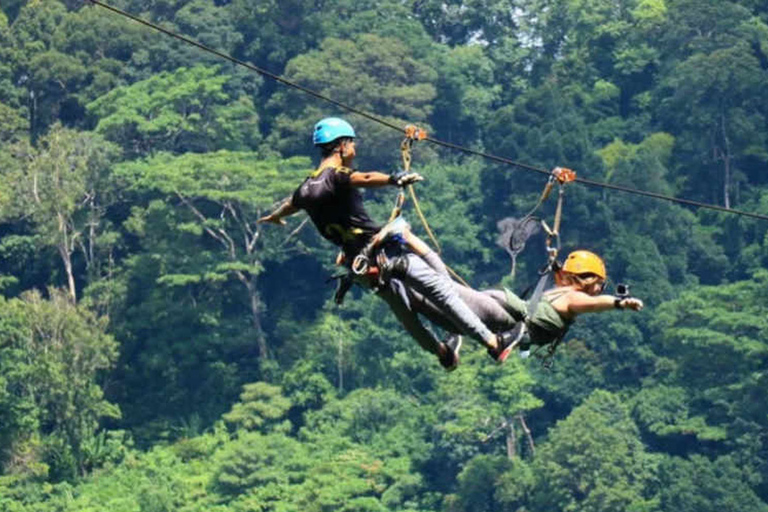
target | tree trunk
x=511, y=440
x=726, y=163
x=340, y=364
x=66, y=256
x=255, y=301
x=70, y=277
x=527, y=434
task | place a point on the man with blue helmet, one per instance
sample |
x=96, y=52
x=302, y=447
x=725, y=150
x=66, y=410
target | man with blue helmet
x=331, y=197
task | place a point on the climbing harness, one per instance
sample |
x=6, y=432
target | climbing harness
x=396, y=225
x=397, y=228
x=559, y=177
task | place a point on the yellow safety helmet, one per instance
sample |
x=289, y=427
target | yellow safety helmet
x=584, y=262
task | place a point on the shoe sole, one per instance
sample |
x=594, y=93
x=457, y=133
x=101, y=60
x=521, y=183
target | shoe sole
x=505, y=353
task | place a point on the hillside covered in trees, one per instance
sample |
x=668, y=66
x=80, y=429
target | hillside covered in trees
x=161, y=351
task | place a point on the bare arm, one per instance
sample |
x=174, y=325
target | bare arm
x=376, y=179
x=369, y=179
x=284, y=210
x=579, y=302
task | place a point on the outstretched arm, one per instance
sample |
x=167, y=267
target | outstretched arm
x=376, y=179
x=579, y=302
x=276, y=217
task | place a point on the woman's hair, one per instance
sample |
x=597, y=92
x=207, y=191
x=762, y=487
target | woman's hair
x=581, y=281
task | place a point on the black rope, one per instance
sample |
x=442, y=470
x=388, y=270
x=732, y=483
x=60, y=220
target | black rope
x=438, y=142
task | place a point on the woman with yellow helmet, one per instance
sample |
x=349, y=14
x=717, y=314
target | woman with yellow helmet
x=578, y=289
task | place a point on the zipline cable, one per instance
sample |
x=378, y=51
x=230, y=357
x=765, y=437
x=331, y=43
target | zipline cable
x=399, y=129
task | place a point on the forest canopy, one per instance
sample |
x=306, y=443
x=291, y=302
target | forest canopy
x=160, y=350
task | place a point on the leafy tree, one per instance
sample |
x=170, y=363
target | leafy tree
x=285, y=30
x=47, y=76
x=726, y=131
x=61, y=186
x=459, y=23
x=714, y=339
x=265, y=465
x=700, y=485
x=54, y=351
x=347, y=19
x=12, y=125
x=187, y=302
x=593, y=460
x=260, y=408
x=223, y=194
x=665, y=412
x=373, y=73
x=477, y=489
x=387, y=423
x=467, y=90
x=186, y=110
x=718, y=132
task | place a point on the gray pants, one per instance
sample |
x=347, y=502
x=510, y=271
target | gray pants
x=487, y=305
x=418, y=283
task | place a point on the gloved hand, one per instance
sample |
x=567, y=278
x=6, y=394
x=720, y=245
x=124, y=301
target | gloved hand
x=402, y=178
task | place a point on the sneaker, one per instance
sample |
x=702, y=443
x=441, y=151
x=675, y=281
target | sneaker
x=451, y=358
x=508, y=340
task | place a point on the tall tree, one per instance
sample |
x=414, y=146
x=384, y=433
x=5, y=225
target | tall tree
x=184, y=110
x=223, y=194
x=54, y=353
x=594, y=460
x=61, y=185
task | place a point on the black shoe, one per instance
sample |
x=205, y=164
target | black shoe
x=507, y=341
x=450, y=360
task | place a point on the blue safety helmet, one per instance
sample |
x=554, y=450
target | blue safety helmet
x=331, y=128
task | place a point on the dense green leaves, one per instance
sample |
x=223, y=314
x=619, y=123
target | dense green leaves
x=187, y=110
x=50, y=399
x=203, y=366
x=375, y=73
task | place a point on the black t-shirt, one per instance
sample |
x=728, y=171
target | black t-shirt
x=336, y=208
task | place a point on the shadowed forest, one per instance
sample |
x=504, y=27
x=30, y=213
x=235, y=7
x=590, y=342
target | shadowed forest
x=161, y=351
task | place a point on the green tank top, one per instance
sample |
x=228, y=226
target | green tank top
x=547, y=325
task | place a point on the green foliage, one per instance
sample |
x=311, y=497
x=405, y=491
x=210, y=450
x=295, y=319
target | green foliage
x=701, y=485
x=340, y=409
x=53, y=352
x=265, y=464
x=306, y=389
x=61, y=186
x=449, y=198
x=477, y=489
x=223, y=176
x=664, y=411
x=477, y=409
x=185, y=110
x=388, y=423
x=261, y=407
x=467, y=91
x=593, y=460
x=12, y=125
x=374, y=73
